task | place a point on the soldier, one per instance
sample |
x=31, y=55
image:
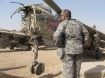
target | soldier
x=69, y=37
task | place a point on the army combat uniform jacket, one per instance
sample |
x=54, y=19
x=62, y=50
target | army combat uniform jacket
x=75, y=34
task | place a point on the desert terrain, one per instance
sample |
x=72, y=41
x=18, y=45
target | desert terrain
x=16, y=64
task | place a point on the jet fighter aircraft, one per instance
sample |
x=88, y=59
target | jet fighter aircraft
x=39, y=24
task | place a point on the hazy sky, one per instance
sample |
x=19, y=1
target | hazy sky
x=90, y=12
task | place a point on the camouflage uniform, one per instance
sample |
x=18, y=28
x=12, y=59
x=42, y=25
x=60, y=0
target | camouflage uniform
x=70, y=46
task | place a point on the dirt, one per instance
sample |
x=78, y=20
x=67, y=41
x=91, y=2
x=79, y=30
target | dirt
x=16, y=63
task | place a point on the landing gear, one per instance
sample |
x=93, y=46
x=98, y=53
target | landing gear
x=32, y=67
x=36, y=68
x=97, y=53
x=11, y=47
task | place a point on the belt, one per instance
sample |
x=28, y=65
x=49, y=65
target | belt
x=72, y=38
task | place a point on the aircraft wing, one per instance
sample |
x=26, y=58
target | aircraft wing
x=93, y=31
x=100, y=34
x=12, y=32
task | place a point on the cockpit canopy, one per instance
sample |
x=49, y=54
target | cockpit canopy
x=44, y=6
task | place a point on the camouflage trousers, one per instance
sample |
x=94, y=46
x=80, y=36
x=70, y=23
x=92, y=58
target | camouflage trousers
x=71, y=65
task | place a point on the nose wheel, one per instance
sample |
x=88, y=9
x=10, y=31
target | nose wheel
x=37, y=68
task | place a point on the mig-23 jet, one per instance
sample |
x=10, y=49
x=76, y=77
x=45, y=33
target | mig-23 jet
x=39, y=24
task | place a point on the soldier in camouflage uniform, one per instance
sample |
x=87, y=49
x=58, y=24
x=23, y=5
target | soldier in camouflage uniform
x=70, y=36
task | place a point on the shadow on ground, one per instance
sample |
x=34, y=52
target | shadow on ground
x=6, y=69
x=97, y=74
x=47, y=48
x=19, y=50
x=3, y=75
x=12, y=50
x=92, y=58
x=51, y=75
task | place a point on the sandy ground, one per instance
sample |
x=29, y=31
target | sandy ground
x=16, y=63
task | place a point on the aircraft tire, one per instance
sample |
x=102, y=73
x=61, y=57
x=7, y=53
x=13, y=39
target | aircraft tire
x=39, y=68
x=97, y=54
x=11, y=47
x=32, y=69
